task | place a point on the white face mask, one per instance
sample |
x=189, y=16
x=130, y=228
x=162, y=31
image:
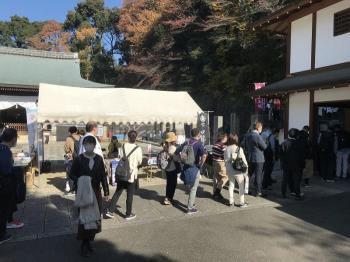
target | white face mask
x=89, y=148
x=172, y=149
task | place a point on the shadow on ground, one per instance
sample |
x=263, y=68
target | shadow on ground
x=66, y=248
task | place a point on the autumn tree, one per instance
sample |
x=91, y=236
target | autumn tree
x=50, y=38
x=205, y=47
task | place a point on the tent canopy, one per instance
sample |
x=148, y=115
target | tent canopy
x=66, y=104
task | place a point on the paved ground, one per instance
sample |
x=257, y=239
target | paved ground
x=314, y=230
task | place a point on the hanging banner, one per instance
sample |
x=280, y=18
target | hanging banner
x=32, y=113
x=260, y=103
x=203, y=126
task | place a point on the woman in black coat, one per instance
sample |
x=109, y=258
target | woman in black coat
x=90, y=164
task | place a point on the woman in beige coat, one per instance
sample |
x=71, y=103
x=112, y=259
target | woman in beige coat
x=232, y=152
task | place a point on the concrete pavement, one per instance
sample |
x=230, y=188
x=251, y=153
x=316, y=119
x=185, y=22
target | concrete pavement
x=314, y=230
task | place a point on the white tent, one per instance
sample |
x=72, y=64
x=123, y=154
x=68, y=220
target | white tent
x=66, y=104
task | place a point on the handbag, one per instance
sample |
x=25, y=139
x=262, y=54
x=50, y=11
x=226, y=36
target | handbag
x=238, y=164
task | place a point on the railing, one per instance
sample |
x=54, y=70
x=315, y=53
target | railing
x=20, y=127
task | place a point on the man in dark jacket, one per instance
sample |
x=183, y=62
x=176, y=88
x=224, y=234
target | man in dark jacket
x=305, y=140
x=292, y=161
x=256, y=146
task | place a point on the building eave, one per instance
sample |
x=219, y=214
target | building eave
x=306, y=82
x=278, y=21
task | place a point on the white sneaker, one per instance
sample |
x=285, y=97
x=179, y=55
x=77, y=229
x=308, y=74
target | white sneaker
x=67, y=187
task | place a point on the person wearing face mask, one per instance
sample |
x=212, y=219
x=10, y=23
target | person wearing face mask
x=256, y=146
x=171, y=166
x=88, y=174
x=7, y=180
x=91, y=130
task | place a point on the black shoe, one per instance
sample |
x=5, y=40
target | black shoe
x=84, y=251
x=261, y=195
x=217, y=195
x=89, y=247
x=5, y=239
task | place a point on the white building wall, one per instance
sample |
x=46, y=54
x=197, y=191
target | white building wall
x=331, y=50
x=334, y=94
x=301, y=43
x=299, y=106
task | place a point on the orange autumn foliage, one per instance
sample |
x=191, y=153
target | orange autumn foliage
x=138, y=18
x=50, y=38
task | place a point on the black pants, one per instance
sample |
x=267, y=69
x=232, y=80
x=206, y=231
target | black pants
x=6, y=207
x=255, y=169
x=171, y=183
x=292, y=178
x=130, y=189
x=268, y=168
x=327, y=165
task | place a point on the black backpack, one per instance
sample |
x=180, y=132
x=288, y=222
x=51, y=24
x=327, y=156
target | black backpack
x=76, y=147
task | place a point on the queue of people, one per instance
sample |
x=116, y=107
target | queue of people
x=248, y=164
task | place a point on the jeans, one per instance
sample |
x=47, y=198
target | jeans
x=256, y=171
x=171, y=183
x=114, y=164
x=130, y=189
x=342, y=162
x=268, y=168
x=193, y=192
x=241, y=183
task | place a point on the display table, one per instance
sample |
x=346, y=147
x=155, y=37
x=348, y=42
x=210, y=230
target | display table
x=26, y=163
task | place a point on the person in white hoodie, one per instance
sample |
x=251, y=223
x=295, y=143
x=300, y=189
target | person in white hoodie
x=233, y=151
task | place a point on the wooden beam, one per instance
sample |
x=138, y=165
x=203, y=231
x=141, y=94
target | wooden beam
x=313, y=42
x=312, y=114
x=286, y=117
x=289, y=37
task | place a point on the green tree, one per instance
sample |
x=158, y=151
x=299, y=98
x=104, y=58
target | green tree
x=97, y=38
x=15, y=32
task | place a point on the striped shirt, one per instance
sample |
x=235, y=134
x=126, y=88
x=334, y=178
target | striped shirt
x=218, y=151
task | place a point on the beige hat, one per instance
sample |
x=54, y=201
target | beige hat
x=170, y=137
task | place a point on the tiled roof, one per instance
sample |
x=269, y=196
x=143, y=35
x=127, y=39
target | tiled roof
x=27, y=68
x=37, y=53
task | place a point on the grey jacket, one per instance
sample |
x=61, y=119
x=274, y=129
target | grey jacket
x=256, y=146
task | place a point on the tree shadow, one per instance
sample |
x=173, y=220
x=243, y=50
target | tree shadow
x=57, y=182
x=66, y=248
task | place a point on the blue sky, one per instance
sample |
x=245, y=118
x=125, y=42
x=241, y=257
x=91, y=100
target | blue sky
x=41, y=10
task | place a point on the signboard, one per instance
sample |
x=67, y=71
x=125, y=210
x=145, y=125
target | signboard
x=32, y=113
x=260, y=103
x=203, y=126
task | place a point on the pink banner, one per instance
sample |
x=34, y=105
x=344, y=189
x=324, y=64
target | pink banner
x=260, y=103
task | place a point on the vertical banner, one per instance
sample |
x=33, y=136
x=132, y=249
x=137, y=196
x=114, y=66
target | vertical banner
x=203, y=126
x=260, y=103
x=32, y=113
